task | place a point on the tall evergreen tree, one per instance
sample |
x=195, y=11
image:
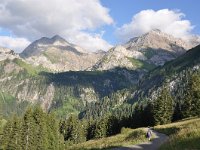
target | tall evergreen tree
x=191, y=102
x=14, y=142
x=28, y=131
x=195, y=87
x=7, y=132
x=73, y=130
x=101, y=128
x=40, y=131
x=163, y=108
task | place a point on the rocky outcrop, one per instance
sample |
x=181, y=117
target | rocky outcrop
x=6, y=53
x=118, y=57
x=56, y=54
x=153, y=48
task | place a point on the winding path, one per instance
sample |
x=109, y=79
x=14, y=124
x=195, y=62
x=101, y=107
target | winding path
x=158, y=140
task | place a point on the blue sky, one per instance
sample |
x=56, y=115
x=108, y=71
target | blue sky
x=123, y=10
x=94, y=24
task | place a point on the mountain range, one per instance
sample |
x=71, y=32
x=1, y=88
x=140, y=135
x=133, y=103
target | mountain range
x=65, y=78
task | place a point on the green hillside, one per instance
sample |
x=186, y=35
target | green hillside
x=71, y=91
x=183, y=134
x=178, y=68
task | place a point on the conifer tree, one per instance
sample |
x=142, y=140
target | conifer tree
x=7, y=132
x=28, y=131
x=195, y=87
x=100, y=129
x=163, y=108
x=40, y=131
x=14, y=141
x=191, y=102
x=73, y=130
x=54, y=139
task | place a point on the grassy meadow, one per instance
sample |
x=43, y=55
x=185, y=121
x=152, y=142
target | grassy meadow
x=184, y=135
x=125, y=138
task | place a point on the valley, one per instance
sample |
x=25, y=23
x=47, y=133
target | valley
x=150, y=80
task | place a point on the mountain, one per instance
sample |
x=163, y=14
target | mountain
x=173, y=74
x=122, y=75
x=6, y=53
x=23, y=84
x=145, y=52
x=158, y=47
x=119, y=56
x=56, y=54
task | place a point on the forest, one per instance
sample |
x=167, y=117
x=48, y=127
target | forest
x=37, y=129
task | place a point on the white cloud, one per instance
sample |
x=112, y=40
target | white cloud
x=33, y=19
x=16, y=44
x=89, y=41
x=169, y=21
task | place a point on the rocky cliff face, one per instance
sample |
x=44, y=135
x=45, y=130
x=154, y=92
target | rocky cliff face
x=118, y=56
x=158, y=47
x=153, y=49
x=6, y=53
x=57, y=54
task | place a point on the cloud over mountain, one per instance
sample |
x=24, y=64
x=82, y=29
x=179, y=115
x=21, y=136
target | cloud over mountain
x=168, y=21
x=13, y=43
x=72, y=19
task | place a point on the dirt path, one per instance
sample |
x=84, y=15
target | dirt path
x=152, y=145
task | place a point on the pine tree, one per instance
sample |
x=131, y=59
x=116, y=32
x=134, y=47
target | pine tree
x=163, y=108
x=7, y=132
x=195, y=88
x=90, y=128
x=100, y=128
x=41, y=133
x=54, y=140
x=15, y=136
x=112, y=125
x=177, y=115
x=73, y=130
x=191, y=102
x=29, y=142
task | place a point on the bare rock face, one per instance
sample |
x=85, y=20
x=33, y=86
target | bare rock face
x=6, y=53
x=57, y=54
x=153, y=48
x=118, y=57
x=156, y=39
x=159, y=47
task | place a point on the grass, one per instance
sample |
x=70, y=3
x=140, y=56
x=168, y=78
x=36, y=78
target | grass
x=125, y=138
x=53, y=57
x=68, y=107
x=183, y=135
x=141, y=64
x=29, y=68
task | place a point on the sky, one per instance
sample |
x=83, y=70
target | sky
x=94, y=24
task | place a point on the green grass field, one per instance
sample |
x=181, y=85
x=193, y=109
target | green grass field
x=125, y=138
x=183, y=135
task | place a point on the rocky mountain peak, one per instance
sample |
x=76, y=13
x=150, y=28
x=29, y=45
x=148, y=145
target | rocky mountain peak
x=58, y=40
x=157, y=39
x=155, y=31
x=44, y=43
x=57, y=54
